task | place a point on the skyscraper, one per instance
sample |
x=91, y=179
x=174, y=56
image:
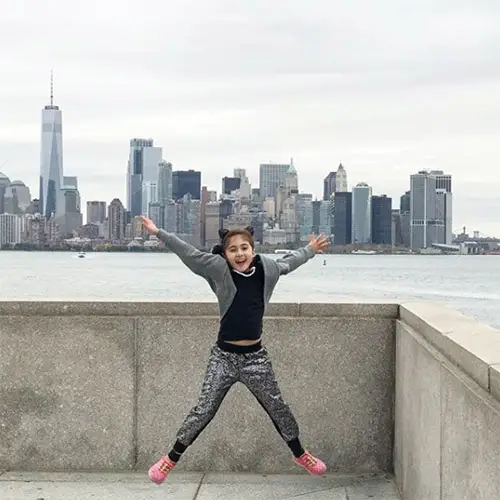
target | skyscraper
x=4, y=184
x=143, y=164
x=271, y=177
x=329, y=185
x=188, y=218
x=362, y=213
x=17, y=198
x=10, y=229
x=96, y=212
x=343, y=218
x=230, y=184
x=164, y=182
x=286, y=205
x=404, y=214
x=321, y=217
x=116, y=220
x=51, y=159
x=304, y=212
x=444, y=212
x=430, y=208
x=443, y=181
x=341, y=180
x=245, y=187
x=184, y=182
x=72, y=218
x=381, y=220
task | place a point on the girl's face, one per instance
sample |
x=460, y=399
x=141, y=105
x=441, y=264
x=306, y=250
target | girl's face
x=239, y=253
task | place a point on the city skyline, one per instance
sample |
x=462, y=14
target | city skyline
x=383, y=109
x=443, y=183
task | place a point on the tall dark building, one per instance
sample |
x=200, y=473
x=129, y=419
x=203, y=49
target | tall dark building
x=4, y=184
x=397, y=228
x=116, y=220
x=381, y=220
x=184, y=182
x=316, y=216
x=343, y=218
x=230, y=184
x=329, y=185
x=405, y=203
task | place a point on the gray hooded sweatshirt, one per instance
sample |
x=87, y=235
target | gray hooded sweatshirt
x=215, y=270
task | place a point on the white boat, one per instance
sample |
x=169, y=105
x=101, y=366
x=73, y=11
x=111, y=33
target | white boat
x=283, y=251
x=363, y=252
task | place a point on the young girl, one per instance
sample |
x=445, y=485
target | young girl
x=243, y=283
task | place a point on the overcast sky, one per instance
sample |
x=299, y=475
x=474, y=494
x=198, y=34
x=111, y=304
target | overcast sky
x=386, y=87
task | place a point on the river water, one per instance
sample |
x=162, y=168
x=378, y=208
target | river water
x=470, y=284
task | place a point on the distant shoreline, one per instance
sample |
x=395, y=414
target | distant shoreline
x=141, y=250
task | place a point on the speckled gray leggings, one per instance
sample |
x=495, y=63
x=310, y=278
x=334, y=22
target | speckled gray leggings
x=255, y=371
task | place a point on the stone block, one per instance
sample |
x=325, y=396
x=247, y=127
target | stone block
x=470, y=439
x=467, y=343
x=66, y=393
x=417, y=418
x=108, y=308
x=287, y=309
x=347, y=418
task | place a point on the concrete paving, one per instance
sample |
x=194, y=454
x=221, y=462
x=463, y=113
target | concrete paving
x=193, y=486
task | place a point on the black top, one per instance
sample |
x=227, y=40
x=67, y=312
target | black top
x=243, y=319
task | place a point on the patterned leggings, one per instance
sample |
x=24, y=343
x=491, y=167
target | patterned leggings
x=255, y=371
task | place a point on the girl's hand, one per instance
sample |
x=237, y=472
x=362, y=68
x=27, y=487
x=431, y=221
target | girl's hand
x=318, y=244
x=149, y=225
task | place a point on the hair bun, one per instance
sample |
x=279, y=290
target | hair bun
x=250, y=229
x=223, y=233
x=218, y=250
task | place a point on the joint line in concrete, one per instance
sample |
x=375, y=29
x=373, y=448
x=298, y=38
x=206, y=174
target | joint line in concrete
x=199, y=487
x=135, y=410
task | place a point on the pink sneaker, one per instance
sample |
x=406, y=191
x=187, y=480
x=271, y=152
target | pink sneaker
x=311, y=464
x=159, y=471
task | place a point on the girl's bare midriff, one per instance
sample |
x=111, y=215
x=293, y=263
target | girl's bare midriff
x=244, y=342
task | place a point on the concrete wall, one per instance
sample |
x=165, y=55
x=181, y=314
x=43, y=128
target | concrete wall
x=447, y=429
x=105, y=386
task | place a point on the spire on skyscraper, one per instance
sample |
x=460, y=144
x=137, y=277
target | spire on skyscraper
x=51, y=105
x=51, y=88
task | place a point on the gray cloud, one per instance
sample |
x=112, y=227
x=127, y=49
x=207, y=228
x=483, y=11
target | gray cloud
x=386, y=87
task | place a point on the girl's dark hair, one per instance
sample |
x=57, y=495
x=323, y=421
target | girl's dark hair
x=225, y=235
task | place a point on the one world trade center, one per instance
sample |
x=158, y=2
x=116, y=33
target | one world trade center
x=51, y=165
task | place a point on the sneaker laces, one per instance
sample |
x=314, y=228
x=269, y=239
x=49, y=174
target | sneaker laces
x=309, y=459
x=165, y=467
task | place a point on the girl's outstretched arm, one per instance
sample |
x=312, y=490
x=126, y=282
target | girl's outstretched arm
x=290, y=262
x=201, y=263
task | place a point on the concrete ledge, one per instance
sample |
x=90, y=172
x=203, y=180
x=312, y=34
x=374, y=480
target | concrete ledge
x=446, y=446
x=189, y=309
x=470, y=345
x=368, y=310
